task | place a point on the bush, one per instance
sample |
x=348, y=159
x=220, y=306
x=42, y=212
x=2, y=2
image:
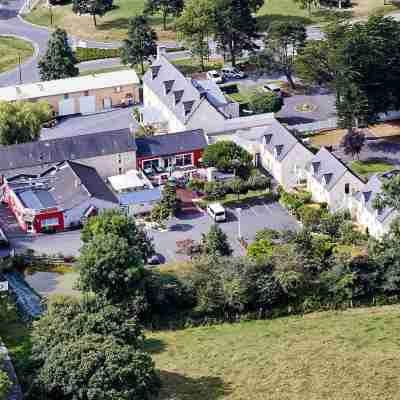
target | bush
x=258, y=182
x=196, y=185
x=265, y=102
x=89, y=54
x=310, y=216
x=215, y=190
x=230, y=88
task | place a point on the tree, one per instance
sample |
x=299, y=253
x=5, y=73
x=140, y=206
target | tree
x=141, y=42
x=237, y=186
x=110, y=267
x=390, y=194
x=122, y=225
x=21, y=122
x=67, y=319
x=235, y=27
x=166, y=7
x=160, y=213
x=169, y=199
x=260, y=249
x=284, y=40
x=215, y=242
x=5, y=382
x=196, y=24
x=223, y=154
x=92, y=7
x=308, y=4
x=352, y=142
x=59, y=61
x=93, y=367
x=261, y=103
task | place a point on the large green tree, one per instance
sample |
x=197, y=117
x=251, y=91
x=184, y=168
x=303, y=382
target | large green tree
x=235, y=27
x=21, y=122
x=110, y=267
x=283, y=41
x=196, y=25
x=268, y=102
x=95, y=367
x=215, y=242
x=122, y=225
x=390, y=195
x=5, y=382
x=59, y=61
x=93, y=7
x=140, y=44
x=165, y=7
x=225, y=154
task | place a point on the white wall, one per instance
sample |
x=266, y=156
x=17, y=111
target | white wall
x=206, y=117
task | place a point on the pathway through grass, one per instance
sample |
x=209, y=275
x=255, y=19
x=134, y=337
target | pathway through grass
x=10, y=51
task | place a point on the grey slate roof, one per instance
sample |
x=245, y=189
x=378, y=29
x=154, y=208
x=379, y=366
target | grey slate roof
x=368, y=194
x=66, y=185
x=33, y=154
x=327, y=169
x=163, y=75
x=278, y=140
x=172, y=143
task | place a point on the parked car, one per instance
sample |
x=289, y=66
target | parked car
x=155, y=259
x=232, y=73
x=274, y=88
x=217, y=212
x=215, y=76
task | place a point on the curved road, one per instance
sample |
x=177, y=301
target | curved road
x=12, y=24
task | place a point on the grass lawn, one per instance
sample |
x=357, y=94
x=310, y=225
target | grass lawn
x=10, y=49
x=104, y=70
x=352, y=355
x=113, y=25
x=368, y=168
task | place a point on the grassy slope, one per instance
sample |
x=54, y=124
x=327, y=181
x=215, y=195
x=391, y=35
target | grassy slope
x=10, y=49
x=348, y=356
x=368, y=168
x=114, y=24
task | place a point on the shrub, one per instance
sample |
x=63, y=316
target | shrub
x=196, y=185
x=230, y=88
x=310, y=216
x=215, y=190
x=265, y=102
x=88, y=54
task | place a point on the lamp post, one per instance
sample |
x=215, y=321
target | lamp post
x=51, y=14
x=20, y=68
x=239, y=213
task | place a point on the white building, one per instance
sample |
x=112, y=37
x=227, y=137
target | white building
x=174, y=103
x=330, y=181
x=375, y=222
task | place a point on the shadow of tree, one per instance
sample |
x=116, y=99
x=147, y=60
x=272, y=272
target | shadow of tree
x=118, y=23
x=263, y=21
x=154, y=346
x=177, y=386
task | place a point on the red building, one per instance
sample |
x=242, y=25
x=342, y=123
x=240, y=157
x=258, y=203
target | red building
x=61, y=197
x=178, y=150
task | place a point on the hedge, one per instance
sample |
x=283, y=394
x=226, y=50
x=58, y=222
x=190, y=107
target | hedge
x=89, y=54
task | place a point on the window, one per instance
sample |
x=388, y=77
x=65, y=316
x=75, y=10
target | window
x=119, y=159
x=155, y=163
x=66, y=96
x=50, y=222
x=120, y=171
x=347, y=188
x=182, y=160
x=86, y=93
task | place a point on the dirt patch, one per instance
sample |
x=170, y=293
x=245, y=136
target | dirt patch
x=386, y=129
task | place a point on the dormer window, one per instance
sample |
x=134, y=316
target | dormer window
x=347, y=188
x=155, y=69
x=326, y=179
x=178, y=94
x=315, y=167
x=267, y=139
x=187, y=106
x=168, y=86
x=278, y=150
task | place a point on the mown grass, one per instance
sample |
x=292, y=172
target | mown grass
x=113, y=25
x=368, y=168
x=352, y=355
x=103, y=70
x=10, y=51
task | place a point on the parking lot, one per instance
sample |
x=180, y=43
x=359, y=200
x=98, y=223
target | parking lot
x=189, y=225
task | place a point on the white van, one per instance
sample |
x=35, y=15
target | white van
x=217, y=212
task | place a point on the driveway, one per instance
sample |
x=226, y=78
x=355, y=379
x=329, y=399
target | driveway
x=118, y=118
x=188, y=225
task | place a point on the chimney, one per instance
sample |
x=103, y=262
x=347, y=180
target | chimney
x=77, y=183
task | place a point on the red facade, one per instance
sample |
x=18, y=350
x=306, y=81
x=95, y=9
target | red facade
x=196, y=156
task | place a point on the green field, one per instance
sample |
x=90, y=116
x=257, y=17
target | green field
x=10, y=51
x=352, y=355
x=114, y=24
x=368, y=168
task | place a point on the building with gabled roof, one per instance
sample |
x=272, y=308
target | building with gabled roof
x=175, y=103
x=330, y=181
x=61, y=197
x=376, y=222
